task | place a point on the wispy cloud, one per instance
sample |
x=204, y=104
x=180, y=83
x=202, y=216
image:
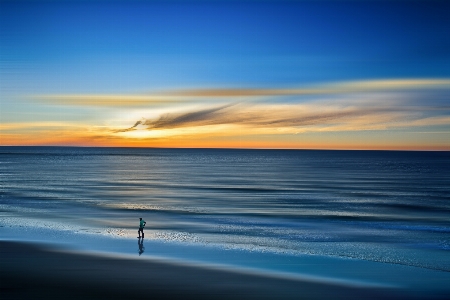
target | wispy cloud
x=211, y=116
x=196, y=117
x=196, y=94
x=17, y=126
x=131, y=128
x=321, y=116
x=124, y=100
x=324, y=89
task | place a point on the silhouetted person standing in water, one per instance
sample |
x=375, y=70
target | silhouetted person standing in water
x=141, y=228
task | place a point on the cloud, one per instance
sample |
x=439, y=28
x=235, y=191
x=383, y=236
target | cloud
x=125, y=100
x=188, y=95
x=204, y=114
x=131, y=128
x=324, y=89
x=317, y=116
x=210, y=116
x=16, y=126
x=362, y=111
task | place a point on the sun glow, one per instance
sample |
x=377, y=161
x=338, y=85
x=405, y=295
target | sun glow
x=379, y=108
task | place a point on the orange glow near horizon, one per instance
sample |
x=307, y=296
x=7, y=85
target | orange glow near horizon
x=376, y=114
x=63, y=138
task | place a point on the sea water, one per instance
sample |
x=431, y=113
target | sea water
x=388, y=207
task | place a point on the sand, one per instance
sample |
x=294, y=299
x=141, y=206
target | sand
x=33, y=271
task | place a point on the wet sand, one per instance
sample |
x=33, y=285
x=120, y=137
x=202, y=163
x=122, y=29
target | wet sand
x=32, y=271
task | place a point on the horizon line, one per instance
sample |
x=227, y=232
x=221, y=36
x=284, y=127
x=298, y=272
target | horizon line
x=227, y=148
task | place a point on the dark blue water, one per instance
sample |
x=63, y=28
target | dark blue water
x=386, y=206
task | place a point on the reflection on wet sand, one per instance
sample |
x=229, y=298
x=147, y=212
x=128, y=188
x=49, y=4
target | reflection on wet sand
x=32, y=271
x=141, y=246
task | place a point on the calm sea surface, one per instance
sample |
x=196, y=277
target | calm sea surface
x=386, y=206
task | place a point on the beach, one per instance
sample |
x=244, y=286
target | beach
x=223, y=224
x=38, y=272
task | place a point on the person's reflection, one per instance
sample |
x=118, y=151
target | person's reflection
x=141, y=246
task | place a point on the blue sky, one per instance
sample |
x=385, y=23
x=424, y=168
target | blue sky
x=120, y=47
x=146, y=44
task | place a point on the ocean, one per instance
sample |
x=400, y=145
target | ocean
x=390, y=207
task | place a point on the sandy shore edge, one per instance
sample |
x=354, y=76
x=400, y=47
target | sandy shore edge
x=34, y=271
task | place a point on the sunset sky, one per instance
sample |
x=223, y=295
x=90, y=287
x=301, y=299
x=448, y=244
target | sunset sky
x=237, y=74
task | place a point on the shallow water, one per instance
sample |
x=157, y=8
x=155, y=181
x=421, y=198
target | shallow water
x=382, y=206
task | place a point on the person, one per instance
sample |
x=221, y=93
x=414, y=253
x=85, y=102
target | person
x=141, y=228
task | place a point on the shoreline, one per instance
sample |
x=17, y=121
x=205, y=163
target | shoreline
x=30, y=270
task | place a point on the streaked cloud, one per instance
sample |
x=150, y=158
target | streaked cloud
x=353, y=106
x=36, y=125
x=294, y=118
x=113, y=100
x=244, y=118
x=330, y=88
x=184, y=96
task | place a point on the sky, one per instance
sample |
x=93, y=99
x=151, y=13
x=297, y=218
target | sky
x=226, y=74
